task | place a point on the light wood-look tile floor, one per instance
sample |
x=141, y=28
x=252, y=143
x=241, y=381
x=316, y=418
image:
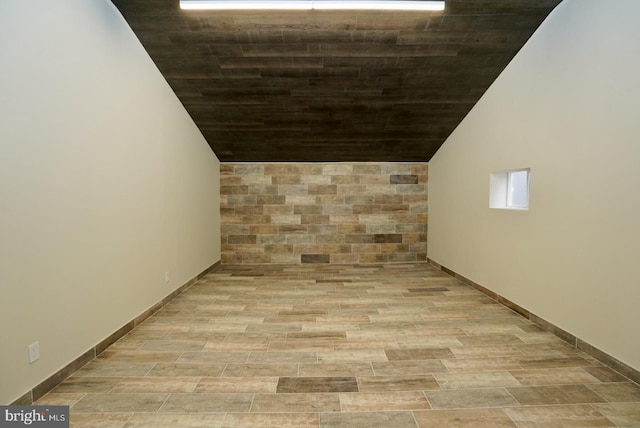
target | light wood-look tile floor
x=343, y=346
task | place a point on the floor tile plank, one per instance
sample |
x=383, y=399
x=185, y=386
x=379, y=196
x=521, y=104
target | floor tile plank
x=397, y=345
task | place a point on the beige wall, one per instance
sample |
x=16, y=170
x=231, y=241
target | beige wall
x=567, y=107
x=105, y=185
x=364, y=212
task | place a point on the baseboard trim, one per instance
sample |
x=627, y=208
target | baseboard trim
x=545, y=325
x=58, y=377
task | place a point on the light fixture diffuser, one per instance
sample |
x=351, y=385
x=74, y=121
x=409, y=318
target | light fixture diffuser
x=312, y=5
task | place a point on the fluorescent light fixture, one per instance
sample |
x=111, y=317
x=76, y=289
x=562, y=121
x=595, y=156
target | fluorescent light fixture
x=245, y=5
x=312, y=4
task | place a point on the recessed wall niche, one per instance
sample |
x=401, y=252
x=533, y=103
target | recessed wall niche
x=341, y=213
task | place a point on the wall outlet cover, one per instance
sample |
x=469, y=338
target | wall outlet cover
x=34, y=352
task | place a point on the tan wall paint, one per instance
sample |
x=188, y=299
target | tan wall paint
x=567, y=108
x=105, y=184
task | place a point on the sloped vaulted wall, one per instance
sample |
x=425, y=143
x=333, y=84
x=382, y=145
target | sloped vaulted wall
x=567, y=108
x=105, y=185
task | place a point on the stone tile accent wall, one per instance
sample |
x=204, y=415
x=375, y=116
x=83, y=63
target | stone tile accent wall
x=323, y=212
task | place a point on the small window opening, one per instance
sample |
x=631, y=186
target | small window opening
x=510, y=189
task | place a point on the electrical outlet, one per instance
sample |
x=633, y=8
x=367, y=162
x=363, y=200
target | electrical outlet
x=167, y=278
x=34, y=352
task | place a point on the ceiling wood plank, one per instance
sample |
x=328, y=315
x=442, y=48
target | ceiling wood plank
x=332, y=85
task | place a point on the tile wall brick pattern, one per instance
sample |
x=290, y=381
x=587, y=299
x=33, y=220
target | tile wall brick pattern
x=330, y=213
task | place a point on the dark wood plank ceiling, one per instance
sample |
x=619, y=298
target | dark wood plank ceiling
x=332, y=85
